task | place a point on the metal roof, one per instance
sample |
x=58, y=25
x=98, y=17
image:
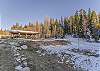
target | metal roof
x=21, y=31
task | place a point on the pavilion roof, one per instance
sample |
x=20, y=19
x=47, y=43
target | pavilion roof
x=23, y=32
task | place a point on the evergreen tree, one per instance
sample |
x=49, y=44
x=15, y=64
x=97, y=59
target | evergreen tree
x=37, y=26
x=66, y=26
x=90, y=25
x=56, y=28
x=93, y=19
x=71, y=21
x=76, y=22
x=42, y=34
x=81, y=22
x=51, y=27
x=99, y=18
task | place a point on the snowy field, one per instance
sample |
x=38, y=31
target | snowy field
x=85, y=55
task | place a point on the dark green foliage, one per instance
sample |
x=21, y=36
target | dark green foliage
x=78, y=24
x=66, y=27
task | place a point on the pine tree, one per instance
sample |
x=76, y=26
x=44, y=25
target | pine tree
x=92, y=26
x=99, y=18
x=76, y=22
x=66, y=26
x=81, y=22
x=37, y=26
x=56, y=28
x=51, y=27
x=42, y=33
x=71, y=21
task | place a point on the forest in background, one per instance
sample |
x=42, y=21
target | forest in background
x=83, y=24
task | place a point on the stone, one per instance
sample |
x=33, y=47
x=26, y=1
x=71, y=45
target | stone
x=26, y=69
x=17, y=54
x=23, y=58
x=25, y=63
x=18, y=59
x=24, y=47
x=18, y=68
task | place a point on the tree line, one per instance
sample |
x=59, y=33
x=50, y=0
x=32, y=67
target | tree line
x=83, y=24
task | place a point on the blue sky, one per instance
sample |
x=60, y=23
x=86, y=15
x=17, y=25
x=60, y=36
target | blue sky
x=24, y=11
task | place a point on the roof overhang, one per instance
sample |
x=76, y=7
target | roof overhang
x=22, y=32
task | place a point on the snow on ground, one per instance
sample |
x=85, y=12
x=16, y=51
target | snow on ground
x=90, y=63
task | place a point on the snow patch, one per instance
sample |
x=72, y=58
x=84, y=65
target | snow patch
x=81, y=60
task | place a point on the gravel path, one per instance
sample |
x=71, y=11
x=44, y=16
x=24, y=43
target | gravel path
x=6, y=58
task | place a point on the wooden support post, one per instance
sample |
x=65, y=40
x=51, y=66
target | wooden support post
x=26, y=36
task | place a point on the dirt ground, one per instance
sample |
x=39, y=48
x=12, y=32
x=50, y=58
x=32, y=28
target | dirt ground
x=45, y=62
x=36, y=61
x=6, y=58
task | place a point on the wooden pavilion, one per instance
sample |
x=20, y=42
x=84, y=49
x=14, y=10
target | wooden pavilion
x=24, y=34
